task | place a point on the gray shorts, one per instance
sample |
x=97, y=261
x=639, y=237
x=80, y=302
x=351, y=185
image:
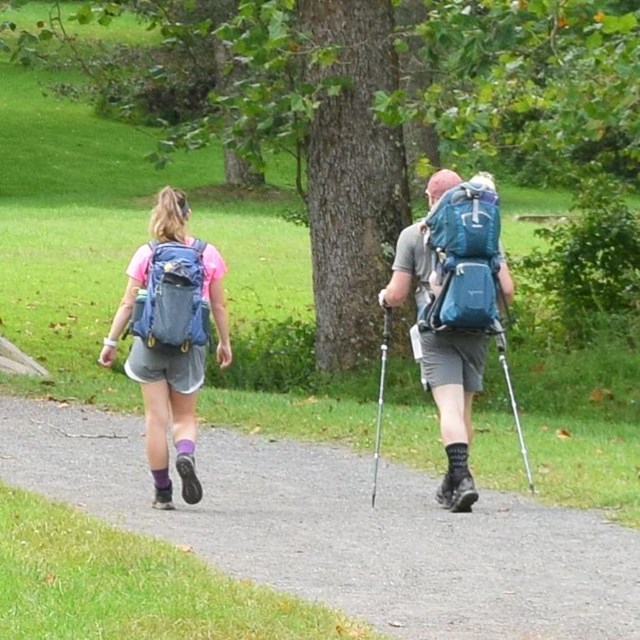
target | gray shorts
x=183, y=371
x=453, y=358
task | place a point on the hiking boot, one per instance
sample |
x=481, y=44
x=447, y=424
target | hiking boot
x=444, y=494
x=464, y=495
x=191, y=487
x=164, y=499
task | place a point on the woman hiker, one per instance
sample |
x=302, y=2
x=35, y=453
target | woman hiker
x=170, y=381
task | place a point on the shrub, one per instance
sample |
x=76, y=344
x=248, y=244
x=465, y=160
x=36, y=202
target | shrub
x=151, y=86
x=277, y=356
x=591, y=264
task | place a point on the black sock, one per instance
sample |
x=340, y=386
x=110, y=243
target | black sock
x=458, y=454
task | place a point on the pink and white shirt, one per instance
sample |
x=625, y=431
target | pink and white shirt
x=214, y=265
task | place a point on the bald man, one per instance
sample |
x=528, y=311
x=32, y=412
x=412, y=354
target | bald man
x=451, y=363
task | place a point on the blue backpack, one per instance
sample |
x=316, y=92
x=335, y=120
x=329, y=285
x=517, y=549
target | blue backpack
x=173, y=315
x=464, y=232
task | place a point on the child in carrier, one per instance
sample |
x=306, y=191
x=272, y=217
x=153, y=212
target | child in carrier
x=170, y=377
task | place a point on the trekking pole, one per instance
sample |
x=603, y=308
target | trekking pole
x=386, y=332
x=501, y=343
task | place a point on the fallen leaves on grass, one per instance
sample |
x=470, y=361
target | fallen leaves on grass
x=600, y=395
x=309, y=400
x=350, y=631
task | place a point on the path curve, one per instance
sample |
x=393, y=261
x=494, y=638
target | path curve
x=298, y=517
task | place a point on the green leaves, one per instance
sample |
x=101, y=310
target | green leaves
x=84, y=14
x=101, y=12
x=624, y=24
x=393, y=109
x=505, y=76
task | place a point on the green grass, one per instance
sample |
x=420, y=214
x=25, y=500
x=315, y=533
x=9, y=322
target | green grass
x=124, y=29
x=517, y=201
x=59, y=148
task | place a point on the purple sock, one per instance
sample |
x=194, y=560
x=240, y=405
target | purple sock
x=161, y=478
x=186, y=446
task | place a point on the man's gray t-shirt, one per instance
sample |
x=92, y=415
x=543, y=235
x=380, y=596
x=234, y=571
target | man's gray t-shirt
x=413, y=257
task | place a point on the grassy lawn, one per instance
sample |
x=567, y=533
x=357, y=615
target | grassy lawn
x=123, y=29
x=75, y=195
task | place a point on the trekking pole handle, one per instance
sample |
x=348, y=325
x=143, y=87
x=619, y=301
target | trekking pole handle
x=501, y=342
x=386, y=330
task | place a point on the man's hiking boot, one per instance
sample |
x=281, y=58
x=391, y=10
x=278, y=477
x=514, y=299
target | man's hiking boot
x=444, y=494
x=464, y=495
x=191, y=487
x=164, y=499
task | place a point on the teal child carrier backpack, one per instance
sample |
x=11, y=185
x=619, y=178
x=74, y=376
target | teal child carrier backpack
x=464, y=232
x=174, y=316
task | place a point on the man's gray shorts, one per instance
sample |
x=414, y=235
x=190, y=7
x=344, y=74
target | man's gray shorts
x=453, y=358
x=183, y=371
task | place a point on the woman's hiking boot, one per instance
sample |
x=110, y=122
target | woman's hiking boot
x=164, y=499
x=191, y=487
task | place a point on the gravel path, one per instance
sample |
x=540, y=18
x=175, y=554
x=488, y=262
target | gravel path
x=299, y=517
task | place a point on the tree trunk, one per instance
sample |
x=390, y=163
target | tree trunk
x=238, y=172
x=358, y=196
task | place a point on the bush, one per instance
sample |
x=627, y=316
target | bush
x=151, y=86
x=277, y=356
x=591, y=265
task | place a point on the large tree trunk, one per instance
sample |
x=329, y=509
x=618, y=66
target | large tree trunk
x=357, y=183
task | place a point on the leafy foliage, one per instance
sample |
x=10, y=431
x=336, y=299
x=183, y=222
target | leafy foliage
x=499, y=78
x=509, y=76
x=266, y=101
x=591, y=267
x=270, y=355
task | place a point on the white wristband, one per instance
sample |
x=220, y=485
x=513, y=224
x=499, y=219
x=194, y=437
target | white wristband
x=108, y=342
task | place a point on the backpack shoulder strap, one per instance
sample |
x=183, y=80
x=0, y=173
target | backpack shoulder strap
x=153, y=245
x=199, y=245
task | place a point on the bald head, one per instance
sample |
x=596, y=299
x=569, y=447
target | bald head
x=440, y=182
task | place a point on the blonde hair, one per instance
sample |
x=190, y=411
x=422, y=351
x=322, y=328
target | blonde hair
x=169, y=216
x=486, y=179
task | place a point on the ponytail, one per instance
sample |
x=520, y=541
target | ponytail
x=169, y=216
